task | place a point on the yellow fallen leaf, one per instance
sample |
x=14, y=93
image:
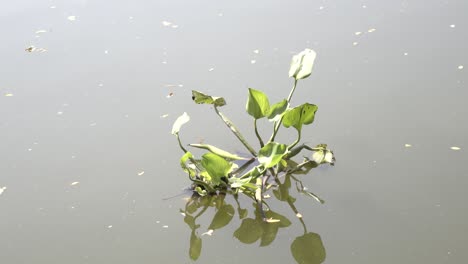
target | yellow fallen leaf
x=455, y=148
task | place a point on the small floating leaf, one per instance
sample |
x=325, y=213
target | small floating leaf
x=218, y=151
x=257, y=105
x=302, y=63
x=201, y=98
x=271, y=154
x=300, y=115
x=181, y=120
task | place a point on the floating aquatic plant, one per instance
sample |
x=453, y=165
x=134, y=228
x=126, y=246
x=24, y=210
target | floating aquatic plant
x=215, y=172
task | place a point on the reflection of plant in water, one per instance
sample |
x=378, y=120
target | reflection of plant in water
x=216, y=172
x=306, y=248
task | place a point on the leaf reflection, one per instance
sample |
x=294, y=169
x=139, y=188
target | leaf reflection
x=305, y=248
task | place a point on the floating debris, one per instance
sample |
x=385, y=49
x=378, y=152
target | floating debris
x=452, y=26
x=165, y=226
x=164, y=116
x=455, y=148
x=208, y=233
x=460, y=67
x=41, y=31
x=266, y=196
x=8, y=94
x=405, y=54
x=169, y=24
x=408, y=146
x=141, y=173
x=170, y=95
x=355, y=43
x=298, y=215
x=2, y=189
x=357, y=33
x=321, y=7
x=109, y=226
x=253, y=61
x=71, y=18
x=74, y=183
x=35, y=49
x=256, y=51
x=106, y=52
x=59, y=113
x=211, y=69
x=371, y=30
x=220, y=14
x=93, y=124
x=52, y=7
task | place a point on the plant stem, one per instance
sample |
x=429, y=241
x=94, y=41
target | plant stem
x=278, y=124
x=180, y=143
x=257, y=134
x=235, y=131
x=292, y=91
x=297, y=140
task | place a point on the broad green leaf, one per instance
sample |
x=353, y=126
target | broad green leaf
x=300, y=115
x=216, y=166
x=301, y=64
x=277, y=110
x=257, y=105
x=181, y=120
x=222, y=217
x=271, y=154
x=201, y=98
x=190, y=221
x=218, y=151
x=249, y=231
x=195, y=246
x=308, y=249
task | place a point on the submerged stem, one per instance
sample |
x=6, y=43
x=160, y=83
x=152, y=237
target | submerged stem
x=257, y=134
x=235, y=131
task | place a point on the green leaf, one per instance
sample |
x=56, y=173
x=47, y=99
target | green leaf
x=300, y=115
x=308, y=249
x=249, y=231
x=271, y=154
x=277, y=110
x=201, y=98
x=183, y=163
x=216, y=166
x=195, y=246
x=301, y=64
x=222, y=217
x=181, y=120
x=257, y=105
x=218, y=151
x=254, y=172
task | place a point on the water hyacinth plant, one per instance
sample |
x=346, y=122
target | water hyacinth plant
x=216, y=172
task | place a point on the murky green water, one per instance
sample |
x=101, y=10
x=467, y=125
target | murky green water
x=87, y=157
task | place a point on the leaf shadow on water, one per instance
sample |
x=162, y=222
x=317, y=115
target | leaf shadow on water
x=306, y=248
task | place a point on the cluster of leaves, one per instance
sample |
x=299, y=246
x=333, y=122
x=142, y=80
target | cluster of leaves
x=216, y=172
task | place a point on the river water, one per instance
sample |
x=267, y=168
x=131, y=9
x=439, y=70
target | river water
x=89, y=91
